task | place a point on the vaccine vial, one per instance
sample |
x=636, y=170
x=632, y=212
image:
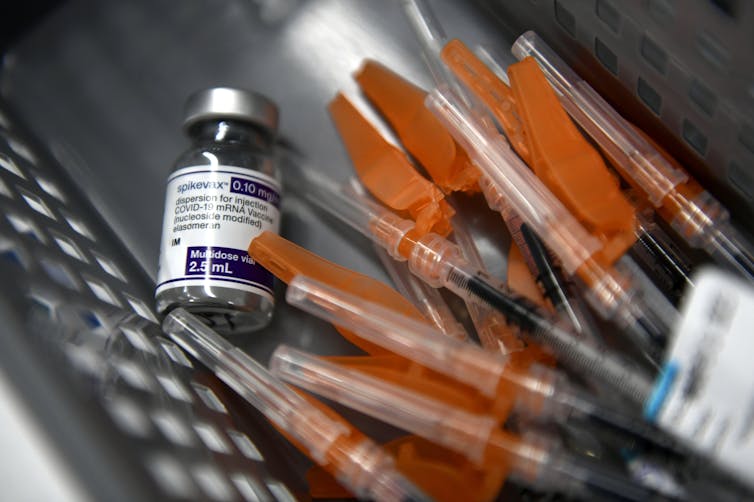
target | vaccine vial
x=223, y=191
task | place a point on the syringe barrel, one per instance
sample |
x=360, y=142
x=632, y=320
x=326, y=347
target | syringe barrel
x=432, y=258
x=440, y=263
x=595, y=363
x=621, y=295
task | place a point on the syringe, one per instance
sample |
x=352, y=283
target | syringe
x=658, y=255
x=537, y=461
x=355, y=460
x=425, y=138
x=426, y=298
x=545, y=137
x=690, y=210
x=610, y=290
x=537, y=391
x=431, y=37
x=439, y=262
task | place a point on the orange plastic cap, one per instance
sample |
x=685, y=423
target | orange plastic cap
x=402, y=105
x=387, y=173
x=286, y=260
x=562, y=158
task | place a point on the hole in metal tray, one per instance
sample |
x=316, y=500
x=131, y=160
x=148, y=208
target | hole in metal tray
x=654, y=55
x=712, y=50
x=212, y=483
x=134, y=375
x=108, y=266
x=5, y=190
x=209, y=398
x=175, y=353
x=20, y=149
x=250, y=488
x=51, y=189
x=742, y=179
x=245, y=446
x=175, y=388
x=607, y=12
x=69, y=247
x=36, y=203
x=212, y=438
x=565, y=18
x=139, y=340
x=607, y=57
x=694, y=137
x=649, y=96
x=25, y=226
x=702, y=97
x=10, y=165
x=281, y=492
x=661, y=11
x=102, y=291
x=60, y=274
x=85, y=359
x=77, y=226
x=11, y=252
x=129, y=416
x=173, y=428
x=171, y=476
x=140, y=308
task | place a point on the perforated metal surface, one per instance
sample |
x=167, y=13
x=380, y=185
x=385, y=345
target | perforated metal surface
x=85, y=303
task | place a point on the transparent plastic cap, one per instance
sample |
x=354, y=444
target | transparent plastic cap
x=373, y=221
x=398, y=333
x=524, y=191
x=458, y=430
x=432, y=39
x=638, y=159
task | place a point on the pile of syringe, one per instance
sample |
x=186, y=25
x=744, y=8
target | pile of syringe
x=607, y=227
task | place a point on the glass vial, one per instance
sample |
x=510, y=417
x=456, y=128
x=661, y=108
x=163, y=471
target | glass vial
x=223, y=191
